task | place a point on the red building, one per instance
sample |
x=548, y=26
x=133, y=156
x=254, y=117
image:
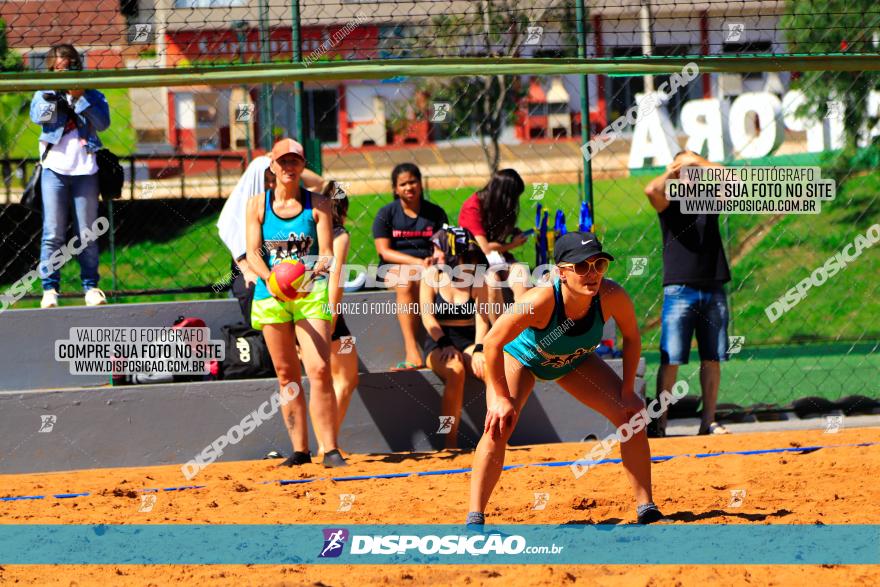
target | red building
x=95, y=27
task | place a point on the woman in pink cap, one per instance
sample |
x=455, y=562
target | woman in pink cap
x=290, y=222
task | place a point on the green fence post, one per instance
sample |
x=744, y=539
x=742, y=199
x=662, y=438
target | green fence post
x=112, y=247
x=266, y=107
x=314, y=160
x=580, y=17
x=296, y=45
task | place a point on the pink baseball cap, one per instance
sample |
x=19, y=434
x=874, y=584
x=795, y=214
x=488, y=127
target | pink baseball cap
x=286, y=146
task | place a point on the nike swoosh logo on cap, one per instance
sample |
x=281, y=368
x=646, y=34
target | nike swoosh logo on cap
x=586, y=242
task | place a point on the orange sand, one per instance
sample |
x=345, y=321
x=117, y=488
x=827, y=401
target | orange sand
x=831, y=486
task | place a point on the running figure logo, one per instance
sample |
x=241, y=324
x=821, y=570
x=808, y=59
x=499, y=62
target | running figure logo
x=147, y=502
x=541, y=501
x=47, y=422
x=539, y=190
x=737, y=496
x=140, y=33
x=735, y=344
x=735, y=31
x=334, y=542
x=148, y=188
x=47, y=112
x=638, y=266
x=834, y=110
x=446, y=423
x=341, y=190
x=441, y=112
x=833, y=424
x=346, y=344
x=346, y=500
x=244, y=112
x=533, y=35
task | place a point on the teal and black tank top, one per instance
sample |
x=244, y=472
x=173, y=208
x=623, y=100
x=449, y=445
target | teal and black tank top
x=555, y=350
x=287, y=238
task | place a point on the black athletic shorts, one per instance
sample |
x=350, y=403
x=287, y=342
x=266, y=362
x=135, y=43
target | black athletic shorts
x=341, y=329
x=461, y=336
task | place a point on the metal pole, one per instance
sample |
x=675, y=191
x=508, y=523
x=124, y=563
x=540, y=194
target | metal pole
x=113, y=246
x=131, y=172
x=647, y=40
x=219, y=178
x=581, y=18
x=268, y=117
x=296, y=45
x=730, y=311
x=241, y=27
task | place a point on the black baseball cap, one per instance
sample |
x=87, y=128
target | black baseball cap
x=574, y=247
x=457, y=243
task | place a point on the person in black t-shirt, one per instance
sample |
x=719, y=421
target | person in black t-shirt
x=402, y=231
x=695, y=270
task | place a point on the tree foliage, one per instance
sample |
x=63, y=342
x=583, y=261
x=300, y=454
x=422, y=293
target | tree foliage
x=483, y=105
x=13, y=106
x=851, y=29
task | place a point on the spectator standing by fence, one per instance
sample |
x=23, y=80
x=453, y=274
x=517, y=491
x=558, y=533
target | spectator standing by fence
x=695, y=270
x=70, y=122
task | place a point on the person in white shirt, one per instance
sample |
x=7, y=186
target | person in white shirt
x=70, y=120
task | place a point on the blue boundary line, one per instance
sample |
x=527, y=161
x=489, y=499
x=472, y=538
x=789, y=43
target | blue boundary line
x=657, y=459
x=87, y=493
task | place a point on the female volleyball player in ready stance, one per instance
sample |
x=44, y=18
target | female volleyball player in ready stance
x=555, y=341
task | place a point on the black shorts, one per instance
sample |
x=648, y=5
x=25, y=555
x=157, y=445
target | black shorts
x=341, y=329
x=461, y=336
x=243, y=293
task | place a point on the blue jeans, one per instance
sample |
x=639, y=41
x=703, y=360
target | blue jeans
x=687, y=309
x=59, y=191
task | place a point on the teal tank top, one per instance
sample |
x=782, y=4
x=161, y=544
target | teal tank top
x=287, y=238
x=558, y=348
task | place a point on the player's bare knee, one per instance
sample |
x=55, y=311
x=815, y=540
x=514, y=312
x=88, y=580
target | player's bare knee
x=286, y=377
x=456, y=368
x=319, y=372
x=495, y=446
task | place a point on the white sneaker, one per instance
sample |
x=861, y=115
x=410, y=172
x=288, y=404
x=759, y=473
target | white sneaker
x=50, y=299
x=95, y=297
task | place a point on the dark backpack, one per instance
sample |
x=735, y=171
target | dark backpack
x=247, y=356
x=111, y=177
x=165, y=377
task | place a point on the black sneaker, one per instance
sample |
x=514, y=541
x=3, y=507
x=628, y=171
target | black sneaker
x=655, y=431
x=296, y=459
x=650, y=515
x=333, y=458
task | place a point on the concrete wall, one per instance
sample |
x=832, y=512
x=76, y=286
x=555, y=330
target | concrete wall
x=27, y=337
x=170, y=424
x=97, y=426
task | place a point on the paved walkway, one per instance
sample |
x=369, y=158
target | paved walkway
x=690, y=426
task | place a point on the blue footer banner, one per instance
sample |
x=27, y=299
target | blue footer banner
x=171, y=544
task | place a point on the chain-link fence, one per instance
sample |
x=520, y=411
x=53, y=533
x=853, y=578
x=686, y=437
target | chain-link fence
x=196, y=89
